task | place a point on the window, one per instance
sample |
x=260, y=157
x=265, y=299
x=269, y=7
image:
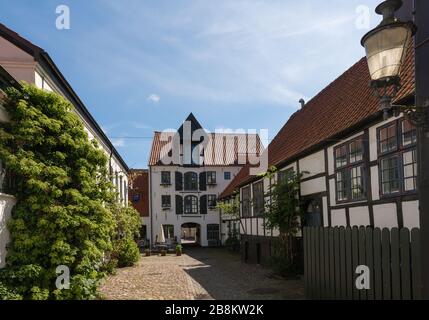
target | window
x=191, y=181
x=245, y=205
x=213, y=232
x=389, y=168
x=397, y=158
x=258, y=198
x=143, y=232
x=165, y=178
x=211, y=177
x=227, y=175
x=408, y=134
x=285, y=174
x=349, y=171
x=166, y=201
x=191, y=205
x=168, y=231
x=136, y=197
x=8, y=181
x=388, y=138
x=212, y=201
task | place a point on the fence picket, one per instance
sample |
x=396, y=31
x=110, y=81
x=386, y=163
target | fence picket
x=337, y=263
x=321, y=264
x=311, y=263
x=395, y=263
x=355, y=260
x=370, y=260
x=331, y=264
x=305, y=244
x=342, y=257
x=385, y=257
x=326, y=258
x=362, y=257
x=317, y=261
x=416, y=264
x=331, y=256
x=405, y=264
x=349, y=271
x=378, y=274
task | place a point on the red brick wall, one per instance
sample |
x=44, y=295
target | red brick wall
x=139, y=185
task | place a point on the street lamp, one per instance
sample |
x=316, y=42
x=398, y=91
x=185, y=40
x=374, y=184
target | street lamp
x=386, y=47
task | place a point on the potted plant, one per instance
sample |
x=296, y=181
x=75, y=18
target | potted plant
x=147, y=252
x=179, y=250
x=163, y=253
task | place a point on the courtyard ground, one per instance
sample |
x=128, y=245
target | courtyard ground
x=200, y=273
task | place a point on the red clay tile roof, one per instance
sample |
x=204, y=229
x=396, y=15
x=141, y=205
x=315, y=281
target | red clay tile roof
x=216, y=152
x=346, y=102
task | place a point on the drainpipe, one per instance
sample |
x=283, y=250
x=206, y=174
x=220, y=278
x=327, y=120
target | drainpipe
x=421, y=8
x=150, y=204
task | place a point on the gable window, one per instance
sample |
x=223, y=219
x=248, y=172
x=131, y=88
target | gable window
x=258, y=198
x=191, y=181
x=227, y=175
x=166, y=201
x=397, y=158
x=211, y=177
x=245, y=204
x=212, y=201
x=349, y=171
x=165, y=178
x=191, y=205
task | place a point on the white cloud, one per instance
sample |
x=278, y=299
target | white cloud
x=118, y=142
x=239, y=52
x=154, y=98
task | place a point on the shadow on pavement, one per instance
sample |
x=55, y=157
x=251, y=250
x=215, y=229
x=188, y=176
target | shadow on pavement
x=224, y=277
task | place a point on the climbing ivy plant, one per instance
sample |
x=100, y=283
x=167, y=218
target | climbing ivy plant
x=62, y=215
x=284, y=212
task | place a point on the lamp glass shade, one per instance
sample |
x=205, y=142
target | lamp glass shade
x=385, y=50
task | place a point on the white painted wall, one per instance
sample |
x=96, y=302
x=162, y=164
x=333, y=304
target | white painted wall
x=313, y=186
x=410, y=211
x=6, y=204
x=385, y=216
x=338, y=218
x=359, y=216
x=159, y=217
x=313, y=164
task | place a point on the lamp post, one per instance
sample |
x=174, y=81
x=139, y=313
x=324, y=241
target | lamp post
x=386, y=47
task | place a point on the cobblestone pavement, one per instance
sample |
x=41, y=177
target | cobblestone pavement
x=201, y=273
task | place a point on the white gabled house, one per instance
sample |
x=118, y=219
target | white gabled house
x=183, y=195
x=362, y=170
x=20, y=60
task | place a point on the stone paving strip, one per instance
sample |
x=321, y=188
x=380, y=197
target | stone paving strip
x=200, y=274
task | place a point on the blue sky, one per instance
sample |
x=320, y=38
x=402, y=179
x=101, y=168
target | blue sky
x=143, y=65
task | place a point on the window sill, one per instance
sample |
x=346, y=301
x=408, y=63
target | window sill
x=345, y=202
x=165, y=184
x=399, y=194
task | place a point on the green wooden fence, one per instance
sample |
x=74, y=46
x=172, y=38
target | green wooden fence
x=331, y=256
